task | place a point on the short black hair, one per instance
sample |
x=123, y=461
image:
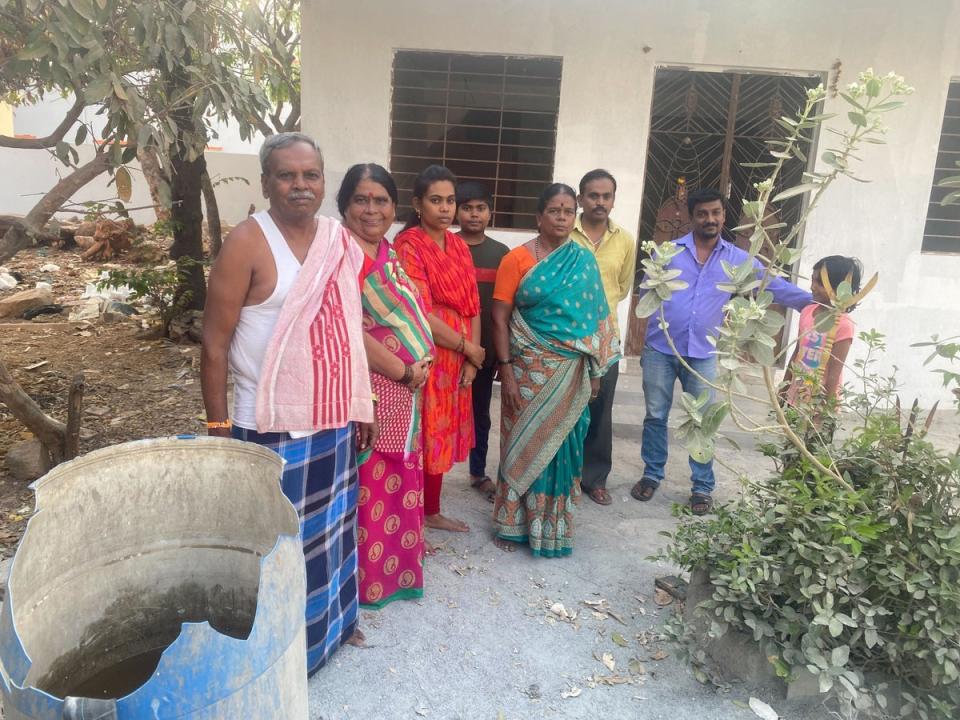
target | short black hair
x=702, y=196
x=598, y=174
x=471, y=190
x=551, y=191
x=838, y=267
x=364, y=171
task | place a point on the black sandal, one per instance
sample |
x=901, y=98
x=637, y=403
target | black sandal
x=644, y=490
x=700, y=504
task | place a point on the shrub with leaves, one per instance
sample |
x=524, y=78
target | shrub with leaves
x=156, y=286
x=847, y=579
x=846, y=559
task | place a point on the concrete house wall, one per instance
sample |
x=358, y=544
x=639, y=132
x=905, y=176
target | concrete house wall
x=611, y=51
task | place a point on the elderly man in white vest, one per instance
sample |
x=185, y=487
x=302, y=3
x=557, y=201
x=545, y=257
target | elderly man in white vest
x=283, y=317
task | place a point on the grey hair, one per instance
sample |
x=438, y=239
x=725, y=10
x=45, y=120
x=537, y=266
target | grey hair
x=282, y=140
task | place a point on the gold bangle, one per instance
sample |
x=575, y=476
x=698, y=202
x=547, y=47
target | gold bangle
x=220, y=425
x=374, y=397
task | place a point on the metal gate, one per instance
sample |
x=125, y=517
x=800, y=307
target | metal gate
x=703, y=127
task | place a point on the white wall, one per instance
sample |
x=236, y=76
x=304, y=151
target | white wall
x=32, y=172
x=43, y=118
x=35, y=172
x=610, y=54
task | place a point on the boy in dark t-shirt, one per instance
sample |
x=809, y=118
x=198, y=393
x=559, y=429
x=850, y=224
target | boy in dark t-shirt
x=474, y=210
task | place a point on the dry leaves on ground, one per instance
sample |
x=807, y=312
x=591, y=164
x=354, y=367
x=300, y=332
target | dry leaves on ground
x=662, y=597
x=601, y=610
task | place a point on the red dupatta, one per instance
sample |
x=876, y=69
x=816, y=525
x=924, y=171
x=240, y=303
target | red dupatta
x=450, y=272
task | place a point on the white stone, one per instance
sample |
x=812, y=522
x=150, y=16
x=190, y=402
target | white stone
x=17, y=304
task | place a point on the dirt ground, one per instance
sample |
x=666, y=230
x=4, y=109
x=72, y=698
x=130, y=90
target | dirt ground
x=136, y=386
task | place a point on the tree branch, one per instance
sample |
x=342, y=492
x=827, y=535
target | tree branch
x=292, y=122
x=73, y=114
x=71, y=444
x=50, y=432
x=263, y=127
x=22, y=235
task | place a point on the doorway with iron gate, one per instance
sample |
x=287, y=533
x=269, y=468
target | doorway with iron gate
x=704, y=126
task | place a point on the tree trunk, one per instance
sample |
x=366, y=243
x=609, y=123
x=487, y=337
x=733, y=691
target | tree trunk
x=19, y=237
x=186, y=190
x=213, y=216
x=154, y=174
x=187, y=216
x=50, y=432
x=49, y=233
x=71, y=439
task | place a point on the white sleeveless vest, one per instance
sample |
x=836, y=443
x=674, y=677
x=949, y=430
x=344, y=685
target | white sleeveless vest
x=255, y=327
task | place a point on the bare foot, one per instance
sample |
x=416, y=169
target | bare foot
x=439, y=522
x=505, y=545
x=358, y=639
x=428, y=548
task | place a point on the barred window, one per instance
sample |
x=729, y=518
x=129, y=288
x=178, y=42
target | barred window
x=942, y=231
x=489, y=118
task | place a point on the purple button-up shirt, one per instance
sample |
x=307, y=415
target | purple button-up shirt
x=696, y=312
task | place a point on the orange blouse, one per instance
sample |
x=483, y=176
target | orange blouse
x=515, y=264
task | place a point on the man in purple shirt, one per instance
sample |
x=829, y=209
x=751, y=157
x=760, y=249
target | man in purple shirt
x=692, y=314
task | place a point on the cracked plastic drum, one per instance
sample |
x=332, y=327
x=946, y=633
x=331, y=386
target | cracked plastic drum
x=158, y=579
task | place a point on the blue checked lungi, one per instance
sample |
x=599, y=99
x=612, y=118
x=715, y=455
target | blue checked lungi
x=320, y=479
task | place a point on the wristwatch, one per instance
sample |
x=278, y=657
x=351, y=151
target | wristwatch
x=505, y=362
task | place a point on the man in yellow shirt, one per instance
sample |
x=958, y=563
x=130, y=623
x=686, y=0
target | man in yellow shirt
x=616, y=254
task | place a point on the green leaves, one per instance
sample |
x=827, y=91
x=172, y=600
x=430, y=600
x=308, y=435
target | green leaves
x=698, y=431
x=857, y=118
x=823, y=578
x=796, y=190
x=847, y=557
x=647, y=305
x=659, y=280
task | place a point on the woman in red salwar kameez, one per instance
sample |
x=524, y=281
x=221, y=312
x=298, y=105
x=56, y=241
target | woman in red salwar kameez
x=439, y=262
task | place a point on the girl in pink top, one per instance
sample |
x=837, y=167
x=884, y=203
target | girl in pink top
x=809, y=364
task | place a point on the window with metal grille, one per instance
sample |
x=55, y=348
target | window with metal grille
x=942, y=231
x=489, y=118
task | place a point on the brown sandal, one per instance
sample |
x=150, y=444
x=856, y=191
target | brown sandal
x=700, y=504
x=484, y=485
x=644, y=490
x=600, y=496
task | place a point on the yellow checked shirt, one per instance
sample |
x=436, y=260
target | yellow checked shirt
x=617, y=257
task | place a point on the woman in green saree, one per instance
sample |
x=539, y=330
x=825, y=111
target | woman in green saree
x=554, y=342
